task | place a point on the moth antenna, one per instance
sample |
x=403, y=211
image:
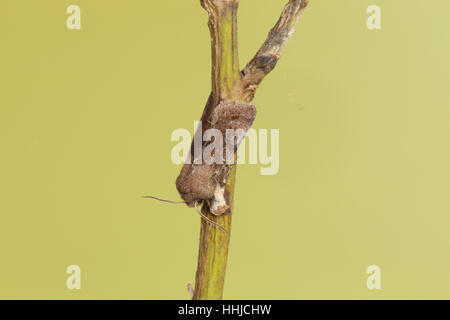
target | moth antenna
x=196, y=209
x=209, y=220
x=164, y=200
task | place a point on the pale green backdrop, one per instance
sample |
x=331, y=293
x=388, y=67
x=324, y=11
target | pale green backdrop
x=85, y=124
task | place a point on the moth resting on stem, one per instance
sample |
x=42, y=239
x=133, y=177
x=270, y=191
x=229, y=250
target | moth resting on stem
x=228, y=107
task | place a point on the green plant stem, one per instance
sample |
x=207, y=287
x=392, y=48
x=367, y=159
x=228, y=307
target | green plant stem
x=214, y=243
x=230, y=84
x=213, y=251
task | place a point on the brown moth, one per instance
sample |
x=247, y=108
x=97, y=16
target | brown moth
x=204, y=177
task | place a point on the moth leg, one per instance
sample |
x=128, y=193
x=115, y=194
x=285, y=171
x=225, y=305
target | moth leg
x=227, y=171
x=209, y=220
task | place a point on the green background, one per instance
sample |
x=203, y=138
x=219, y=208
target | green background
x=85, y=124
